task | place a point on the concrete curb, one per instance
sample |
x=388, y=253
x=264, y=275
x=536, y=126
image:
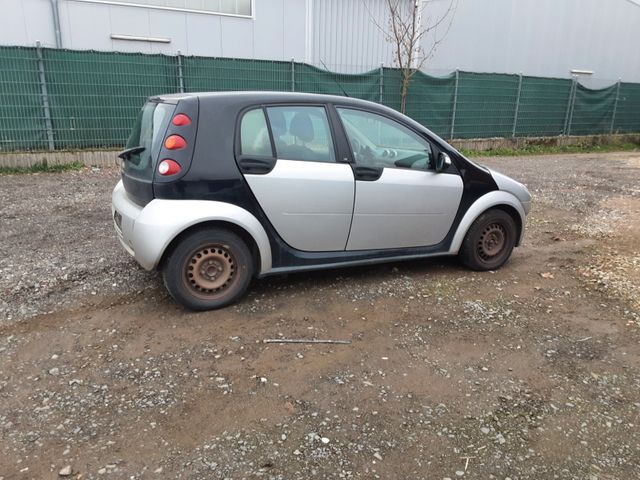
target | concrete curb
x=482, y=144
x=98, y=158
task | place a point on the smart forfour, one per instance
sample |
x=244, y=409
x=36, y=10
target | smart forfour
x=218, y=188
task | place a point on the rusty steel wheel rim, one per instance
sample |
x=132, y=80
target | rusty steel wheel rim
x=492, y=241
x=211, y=270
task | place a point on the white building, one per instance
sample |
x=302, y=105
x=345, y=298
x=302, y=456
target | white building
x=536, y=37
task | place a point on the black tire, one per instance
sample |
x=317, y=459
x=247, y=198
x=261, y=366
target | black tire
x=208, y=269
x=489, y=241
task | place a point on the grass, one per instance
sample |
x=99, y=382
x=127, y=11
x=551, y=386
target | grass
x=41, y=168
x=551, y=149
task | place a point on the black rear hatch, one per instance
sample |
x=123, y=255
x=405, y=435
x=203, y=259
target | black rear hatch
x=140, y=156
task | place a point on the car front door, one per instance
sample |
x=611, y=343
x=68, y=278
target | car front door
x=401, y=201
x=288, y=157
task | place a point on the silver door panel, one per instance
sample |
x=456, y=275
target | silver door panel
x=404, y=208
x=309, y=203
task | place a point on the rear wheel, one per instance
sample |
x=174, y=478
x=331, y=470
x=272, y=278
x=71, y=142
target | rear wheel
x=489, y=241
x=208, y=269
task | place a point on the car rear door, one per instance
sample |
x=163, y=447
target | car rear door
x=400, y=200
x=288, y=158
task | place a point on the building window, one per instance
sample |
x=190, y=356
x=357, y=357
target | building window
x=224, y=7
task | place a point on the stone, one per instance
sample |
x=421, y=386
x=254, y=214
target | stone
x=65, y=471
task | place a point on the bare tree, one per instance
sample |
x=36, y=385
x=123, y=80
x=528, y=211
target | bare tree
x=406, y=30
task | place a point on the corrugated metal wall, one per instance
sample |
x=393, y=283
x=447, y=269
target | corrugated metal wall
x=537, y=37
x=346, y=34
x=277, y=32
x=544, y=37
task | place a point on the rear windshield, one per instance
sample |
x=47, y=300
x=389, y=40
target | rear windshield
x=148, y=132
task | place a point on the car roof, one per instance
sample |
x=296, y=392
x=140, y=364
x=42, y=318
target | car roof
x=239, y=100
x=268, y=97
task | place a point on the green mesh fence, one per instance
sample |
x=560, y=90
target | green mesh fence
x=21, y=109
x=203, y=74
x=429, y=102
x=485, y=105
x=543, y=106
x=314, y=80
x=95, y=96
x=593, y=110
x=627, y=118
x=66, y=99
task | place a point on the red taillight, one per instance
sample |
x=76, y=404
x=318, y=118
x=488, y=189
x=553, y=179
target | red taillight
x=168, y=167
x=180, y=120
x=174, y=142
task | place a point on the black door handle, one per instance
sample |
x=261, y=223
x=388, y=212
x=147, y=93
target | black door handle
x=256, y=166
x=367, y=174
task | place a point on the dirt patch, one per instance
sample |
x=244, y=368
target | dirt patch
x=530, y=372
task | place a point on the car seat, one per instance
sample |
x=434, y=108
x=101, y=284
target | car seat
x=301, y=128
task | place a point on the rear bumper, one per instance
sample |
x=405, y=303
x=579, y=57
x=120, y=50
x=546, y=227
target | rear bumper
x=129, y=212
x=146, y=232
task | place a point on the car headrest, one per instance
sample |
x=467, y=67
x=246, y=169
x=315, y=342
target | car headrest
x=301, y=127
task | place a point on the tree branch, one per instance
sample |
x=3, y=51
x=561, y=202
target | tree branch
x=406, y=33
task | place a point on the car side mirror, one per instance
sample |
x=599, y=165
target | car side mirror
x=443, y=161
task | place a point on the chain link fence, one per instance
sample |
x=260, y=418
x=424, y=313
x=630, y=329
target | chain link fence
x=65, y=99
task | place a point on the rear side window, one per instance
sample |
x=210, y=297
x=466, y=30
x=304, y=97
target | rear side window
x=301, y=133
x=254, y=135
x=148, y=132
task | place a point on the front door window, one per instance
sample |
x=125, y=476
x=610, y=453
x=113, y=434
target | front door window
x=379, y=142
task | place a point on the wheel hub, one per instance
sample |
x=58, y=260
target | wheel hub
x=210, y=269
x=492, y=241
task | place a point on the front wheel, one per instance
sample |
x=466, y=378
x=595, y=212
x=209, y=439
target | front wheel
x=489, y=241
x=209, y=268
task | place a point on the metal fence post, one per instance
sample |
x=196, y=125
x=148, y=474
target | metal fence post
x=615, y=108
x=455, y=105
x=515, y=115
x=573, y=104
x=45, y=97
x=180, y=73
x=570, y=102
x=293, y=75
x=381, y=83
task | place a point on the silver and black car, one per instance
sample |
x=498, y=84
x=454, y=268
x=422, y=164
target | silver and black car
x=218, y=188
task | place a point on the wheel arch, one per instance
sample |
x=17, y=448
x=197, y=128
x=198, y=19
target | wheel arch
x=497, y=199
x=513, y=213
x=222, y=224
x=162, y=223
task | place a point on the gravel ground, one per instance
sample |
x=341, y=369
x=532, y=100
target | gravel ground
x=530, y=372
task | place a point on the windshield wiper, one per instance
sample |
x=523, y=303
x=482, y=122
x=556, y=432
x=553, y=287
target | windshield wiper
x=125, y=154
